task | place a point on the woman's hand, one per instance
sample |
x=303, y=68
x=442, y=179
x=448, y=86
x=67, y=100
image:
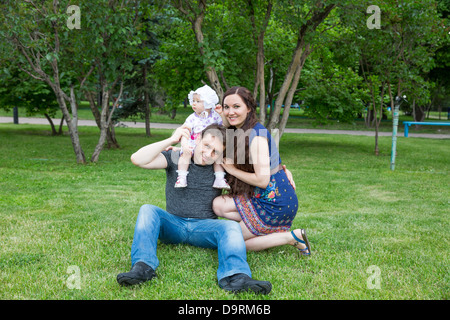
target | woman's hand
x=228, y=165
x=289, y=176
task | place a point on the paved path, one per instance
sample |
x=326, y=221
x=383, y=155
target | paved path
x=132, y=124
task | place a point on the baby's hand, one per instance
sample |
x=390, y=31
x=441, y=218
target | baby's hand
x=181, y=132
x=218, y=108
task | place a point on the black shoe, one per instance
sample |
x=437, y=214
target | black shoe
x=139, y=273
x=242, y=282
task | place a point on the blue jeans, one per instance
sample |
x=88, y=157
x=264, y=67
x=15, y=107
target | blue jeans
x=154, y=223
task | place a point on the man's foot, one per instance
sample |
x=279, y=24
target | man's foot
x=241, y=282
x=139, y=273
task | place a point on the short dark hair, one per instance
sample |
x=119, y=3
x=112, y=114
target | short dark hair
x=215, y=130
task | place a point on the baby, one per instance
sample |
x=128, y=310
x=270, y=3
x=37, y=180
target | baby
x=203, y=100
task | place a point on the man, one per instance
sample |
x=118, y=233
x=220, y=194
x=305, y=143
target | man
x=189, y=217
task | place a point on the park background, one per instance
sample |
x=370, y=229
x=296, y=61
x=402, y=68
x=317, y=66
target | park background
x=69, y=195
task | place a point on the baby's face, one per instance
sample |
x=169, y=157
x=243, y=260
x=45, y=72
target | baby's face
x=197, y=104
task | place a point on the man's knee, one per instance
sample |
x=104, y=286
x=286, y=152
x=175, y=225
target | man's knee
x=230, y=236
x=231, y=228
x=147, y=214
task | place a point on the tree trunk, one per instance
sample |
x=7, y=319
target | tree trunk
x=196, y=23
x=261, y=82
x=275, y=113
x=298, y=58
x=90, y=97
x=72, y=123
x=103, y=124
x=270, y=94
x=290, y=95
x=105, y=117
x=52, y=125
x=111, y=141
x=259, y=41
x=377, y=122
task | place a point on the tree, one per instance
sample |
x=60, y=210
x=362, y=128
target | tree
x=111, y=26
x=17, y=90
x=37, y=33
x=397, y=54
x=332, y=88
x=259, y=26
x=305, y=18
x=141, y=85
x=92, y=58
x=195, y=14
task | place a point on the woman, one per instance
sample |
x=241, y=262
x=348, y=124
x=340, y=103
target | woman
x=261, y=197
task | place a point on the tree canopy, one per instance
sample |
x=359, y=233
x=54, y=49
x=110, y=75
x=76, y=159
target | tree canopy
x=334, y=58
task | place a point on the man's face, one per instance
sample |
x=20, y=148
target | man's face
x=208, y=150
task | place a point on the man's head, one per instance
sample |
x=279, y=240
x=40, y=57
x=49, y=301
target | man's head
x=210, y=146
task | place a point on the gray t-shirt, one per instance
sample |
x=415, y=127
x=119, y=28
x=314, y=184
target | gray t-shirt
x=194, y=201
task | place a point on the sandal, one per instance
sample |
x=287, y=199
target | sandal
x=307, y=250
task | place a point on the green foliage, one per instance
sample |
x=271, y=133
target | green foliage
x=332, y=90
x=113, y=38
x=18, y=90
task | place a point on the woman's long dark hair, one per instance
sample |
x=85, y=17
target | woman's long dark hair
x=241, y=141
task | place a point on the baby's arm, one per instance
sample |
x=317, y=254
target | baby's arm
x=219, y=110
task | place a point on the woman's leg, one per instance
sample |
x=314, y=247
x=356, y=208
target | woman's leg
x=225, y=207
x=258, y=243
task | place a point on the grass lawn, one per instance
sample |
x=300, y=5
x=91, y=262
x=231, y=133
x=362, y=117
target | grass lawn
x=375, y=233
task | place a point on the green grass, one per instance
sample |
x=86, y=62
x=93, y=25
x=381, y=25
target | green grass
x=55, y=214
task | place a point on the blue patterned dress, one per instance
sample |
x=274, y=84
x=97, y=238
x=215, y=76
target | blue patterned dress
x=272, y=209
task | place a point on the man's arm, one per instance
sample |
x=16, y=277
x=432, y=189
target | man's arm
x=150, y=156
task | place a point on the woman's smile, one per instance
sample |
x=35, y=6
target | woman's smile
x=235, y=110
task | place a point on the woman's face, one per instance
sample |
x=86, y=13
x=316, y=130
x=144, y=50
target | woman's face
x=235, y=110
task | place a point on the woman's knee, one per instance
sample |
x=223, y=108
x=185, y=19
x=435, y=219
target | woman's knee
x=217, y=205
x=223, y=205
